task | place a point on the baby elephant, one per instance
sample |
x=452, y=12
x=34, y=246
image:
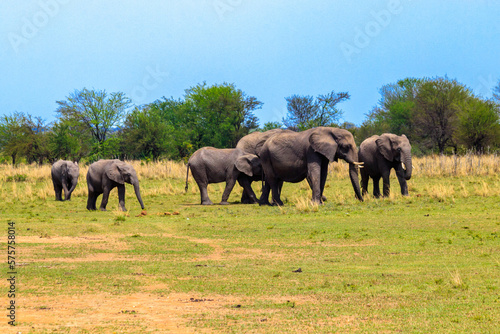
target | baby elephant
x=213, y=165
x=64, y=177
x=104, y=175
x=380, y=154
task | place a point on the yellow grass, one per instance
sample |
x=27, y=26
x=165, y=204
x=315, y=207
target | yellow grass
x=38, y=183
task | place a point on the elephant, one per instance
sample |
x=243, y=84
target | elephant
x=213, y=165
x=64, y=177
x=380, y=154
x=295, y=156
x=104, y=175
x=252, y=144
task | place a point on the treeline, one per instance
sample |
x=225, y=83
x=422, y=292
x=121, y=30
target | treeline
x=438, y=115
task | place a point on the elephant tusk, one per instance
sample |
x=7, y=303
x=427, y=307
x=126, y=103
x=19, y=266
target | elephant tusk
x=404, y=167
x=358, y=163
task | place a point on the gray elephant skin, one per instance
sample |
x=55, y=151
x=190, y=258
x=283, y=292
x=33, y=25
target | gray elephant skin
x=295, y=156
x=252, y=144
x=213, y=165
x=380, y=154
x=64, y=177
x=104, y=175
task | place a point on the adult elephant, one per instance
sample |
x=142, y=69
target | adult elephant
x=104, y=175
x=213, y=165
x=295, y=156
x=64, y=177
x=380, y=154
x=252, y=144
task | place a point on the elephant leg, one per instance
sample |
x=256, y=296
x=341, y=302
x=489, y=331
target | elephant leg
x=67, y=195
x=91, y=201
x=276, y=192
x=386, y=187
x=248, y=192
x=121, y=197
x=58, y=191
x=227, y=191
x=324, y=175
x=264, y=197
x=376, y=186
x=402, y=181
x=364, y=182
x=205, y=200
x=105, y=197
x=314, y=179
x=65, y=188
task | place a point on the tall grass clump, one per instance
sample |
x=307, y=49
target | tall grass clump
x=304, y=204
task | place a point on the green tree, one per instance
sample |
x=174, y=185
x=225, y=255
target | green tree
x=479, y=125
x=305, y=112
x=35, y=134
x=69, y=140
x=438, y=104
x=271, y=125
x=375, y=123
x=147, y=134
x=12, y=142
x=224, y=114
x=182, y=119
x=397, y=105
x=99, y=111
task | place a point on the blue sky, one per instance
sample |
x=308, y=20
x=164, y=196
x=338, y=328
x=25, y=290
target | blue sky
x=268, y=49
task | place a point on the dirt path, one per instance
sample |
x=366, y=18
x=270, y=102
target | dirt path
x=106, y=313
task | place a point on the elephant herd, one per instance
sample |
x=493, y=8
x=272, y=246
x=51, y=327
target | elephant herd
x=273, y=157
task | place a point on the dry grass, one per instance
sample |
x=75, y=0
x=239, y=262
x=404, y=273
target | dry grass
x=304, y=204
x=467, y=165
x=440, y=165
x=36, y=181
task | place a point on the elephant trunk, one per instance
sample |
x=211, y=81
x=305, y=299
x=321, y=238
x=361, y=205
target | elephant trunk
x=138, y=194
x=353, y=174
x=74, y=181
x=407, y=166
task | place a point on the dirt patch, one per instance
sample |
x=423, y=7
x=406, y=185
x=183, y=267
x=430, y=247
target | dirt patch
x=109, y=313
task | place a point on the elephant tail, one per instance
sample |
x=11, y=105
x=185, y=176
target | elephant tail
x=187, y=175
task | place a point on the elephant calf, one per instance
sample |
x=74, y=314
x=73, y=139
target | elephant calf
x=380, y=154
x=213, y=165
x=64, y=177
x=104, y=175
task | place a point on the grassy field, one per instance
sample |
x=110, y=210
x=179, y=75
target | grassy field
x=425, y=263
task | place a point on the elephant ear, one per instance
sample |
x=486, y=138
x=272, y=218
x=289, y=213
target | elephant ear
x=324, y=143
x=244, y=164
x=384, y=145
x=114, y=173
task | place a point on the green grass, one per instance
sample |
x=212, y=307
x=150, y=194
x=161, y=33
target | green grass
x=425, y=263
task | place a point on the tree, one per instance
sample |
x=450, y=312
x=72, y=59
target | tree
x=11, y=135
x=397, y=105
x=438, y=104
x=271, y=125
x=496, y=93
x=99, y=111
x=24, y=135
x=305, y=112
x=224, y=114
x=479, y=125
x=147, y=134
x=35, y=135
x=69, y=140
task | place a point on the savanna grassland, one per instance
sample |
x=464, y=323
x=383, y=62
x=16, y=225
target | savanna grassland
x=425, y=263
